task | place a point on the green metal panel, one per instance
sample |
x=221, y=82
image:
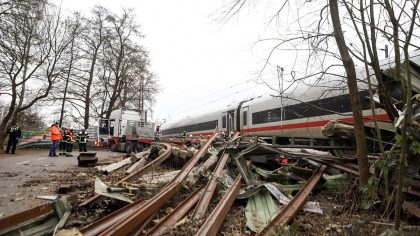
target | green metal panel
x=260, y=209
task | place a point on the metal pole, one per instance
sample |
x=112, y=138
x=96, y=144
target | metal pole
x=141, y=94
x=280, y=80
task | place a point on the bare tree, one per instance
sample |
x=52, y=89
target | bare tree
x=308, y=30
x=118, y=56
x=94, y=38
x=75, y=29
x=31, y=45
x=407, y=88
x=353, y=90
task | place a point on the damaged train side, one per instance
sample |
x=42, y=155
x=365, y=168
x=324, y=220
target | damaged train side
x=278, y=117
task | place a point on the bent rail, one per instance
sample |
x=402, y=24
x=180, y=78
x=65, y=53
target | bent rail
x=296, y=203
x=128, y=224
x=136, y=174
x=213, y=223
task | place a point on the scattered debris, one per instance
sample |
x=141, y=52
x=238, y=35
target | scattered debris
x=64, y=188
x=273, y=186
x=87, y=158
x=102, y=189
x=24, y=163
x=260, y=210
x=49, y=198
x=16, y=199
x=42, y=220
x=69, y=232
x=114, y=166
x=138, y=163
x=336, y=127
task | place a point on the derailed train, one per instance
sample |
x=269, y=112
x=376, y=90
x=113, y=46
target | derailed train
x=280, y=117
x=300, y=115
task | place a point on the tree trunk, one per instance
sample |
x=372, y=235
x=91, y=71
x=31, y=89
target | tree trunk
x=11, y=116
x=407, y=118
x=354, y=96
x=384, y=95
x=88, y=87
x=395, y=33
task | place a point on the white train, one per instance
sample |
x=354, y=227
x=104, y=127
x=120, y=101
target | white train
x=281, y=117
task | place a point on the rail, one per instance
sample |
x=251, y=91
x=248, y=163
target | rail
x=296, y=203
x=135, y=175
x=178, y=213
x=109, y=220
x=130, y=223
x=202, y=205
x=212, y=224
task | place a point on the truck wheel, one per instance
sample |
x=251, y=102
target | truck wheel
x=128, y=147
x=113, y=147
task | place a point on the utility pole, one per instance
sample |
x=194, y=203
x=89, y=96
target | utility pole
x=280, y=81
x=141, y=102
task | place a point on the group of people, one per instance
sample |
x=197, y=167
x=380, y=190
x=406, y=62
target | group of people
x=64, y=139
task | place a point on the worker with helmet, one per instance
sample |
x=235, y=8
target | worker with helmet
x=69, y=142
x=62, y=147
x=81, y=138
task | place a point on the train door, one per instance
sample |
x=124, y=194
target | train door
x=224, y=121
x=245, y=120
x=227, y=122
x=231, y=122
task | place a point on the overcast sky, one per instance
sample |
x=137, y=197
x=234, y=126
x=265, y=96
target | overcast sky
x=201, y=62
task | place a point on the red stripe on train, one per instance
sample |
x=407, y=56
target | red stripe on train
x=381, y=117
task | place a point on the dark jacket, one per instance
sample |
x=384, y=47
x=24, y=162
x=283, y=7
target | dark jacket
x=14, y=132
x=82, y=137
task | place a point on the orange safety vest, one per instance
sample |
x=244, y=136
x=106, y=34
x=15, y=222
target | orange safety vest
x=55, y=133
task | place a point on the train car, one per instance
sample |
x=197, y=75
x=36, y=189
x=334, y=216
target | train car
x=202, y=125
x=281, y=117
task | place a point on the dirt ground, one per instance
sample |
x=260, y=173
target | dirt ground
x=31, y=173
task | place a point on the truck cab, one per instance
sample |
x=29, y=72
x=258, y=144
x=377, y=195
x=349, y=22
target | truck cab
x=127, y=130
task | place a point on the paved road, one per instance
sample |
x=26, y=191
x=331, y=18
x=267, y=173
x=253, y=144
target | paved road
x=31, y=173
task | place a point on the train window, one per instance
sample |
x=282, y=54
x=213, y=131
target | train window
x=224, y=121
x=209, y=125
x=245, y=118
x=103, y=127
x=266, y=116
x=321, y=107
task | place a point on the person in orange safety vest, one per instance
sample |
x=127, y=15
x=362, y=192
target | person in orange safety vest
x=55, y=138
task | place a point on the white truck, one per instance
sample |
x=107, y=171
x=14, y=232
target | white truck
x=127, y=130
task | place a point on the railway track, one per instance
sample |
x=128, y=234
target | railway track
x=135, y=175
x=135, y=218
x=177, y=214
x=290, y=210
x=127, y=223
x=212, y=224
